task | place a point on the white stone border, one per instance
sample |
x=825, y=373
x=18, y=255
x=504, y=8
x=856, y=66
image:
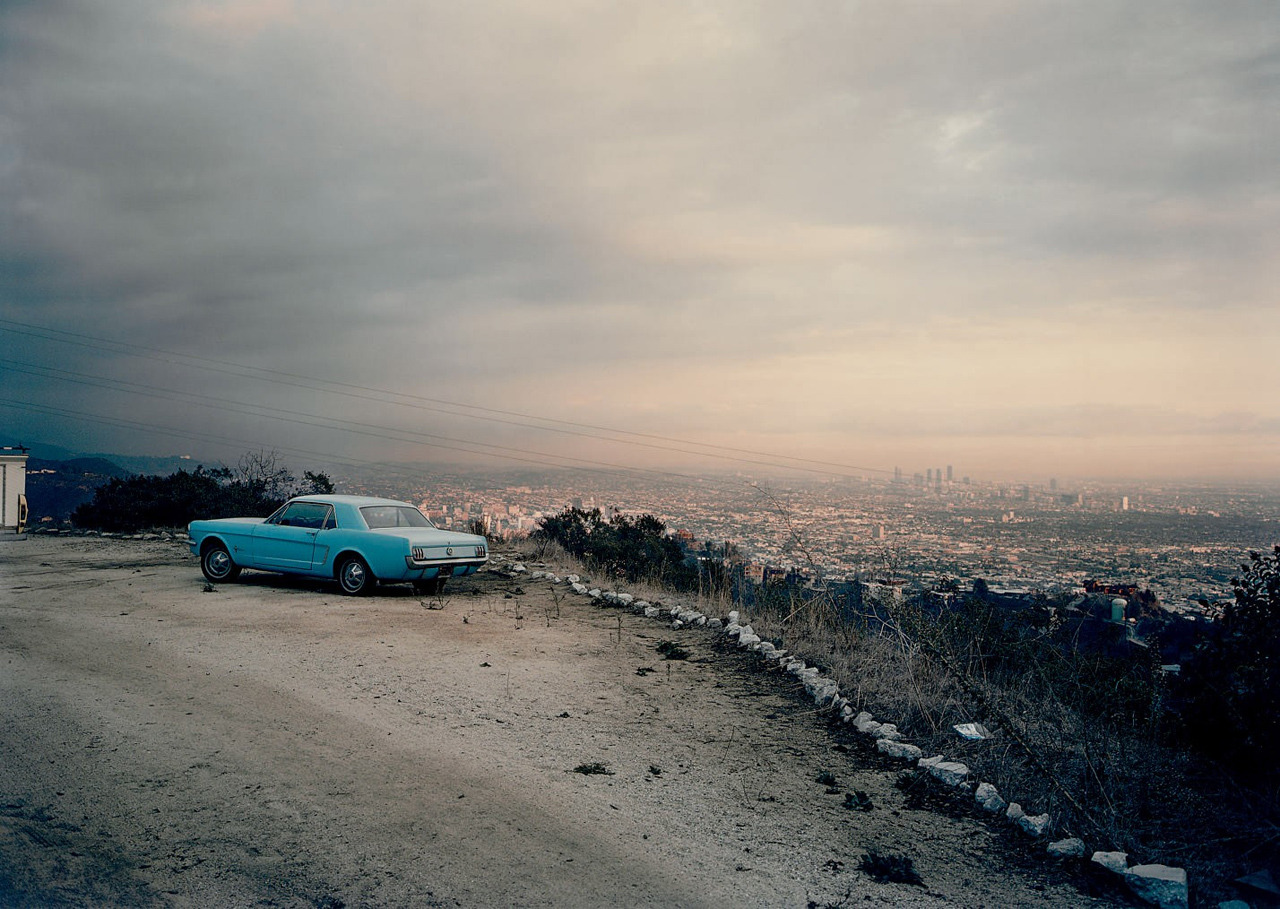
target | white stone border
x=1159, y=885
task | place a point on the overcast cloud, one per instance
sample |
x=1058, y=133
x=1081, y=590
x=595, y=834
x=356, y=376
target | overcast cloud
x=1042, y=237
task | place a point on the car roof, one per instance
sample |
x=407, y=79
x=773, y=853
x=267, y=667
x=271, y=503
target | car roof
x=357, y=501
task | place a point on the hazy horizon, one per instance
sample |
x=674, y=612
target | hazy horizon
x=1025, y=240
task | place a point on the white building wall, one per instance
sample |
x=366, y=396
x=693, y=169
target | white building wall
x=13, y=489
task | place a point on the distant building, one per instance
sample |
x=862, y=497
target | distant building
x=950, y=473
x=13, y=491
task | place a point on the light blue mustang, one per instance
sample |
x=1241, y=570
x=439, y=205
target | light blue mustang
x=358, y=541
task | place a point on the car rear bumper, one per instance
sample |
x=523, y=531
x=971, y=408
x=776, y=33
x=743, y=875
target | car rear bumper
x=427, y=569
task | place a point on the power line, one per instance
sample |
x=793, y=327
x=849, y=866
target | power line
x=422, y=402
x=610, y=470
x=294, y=416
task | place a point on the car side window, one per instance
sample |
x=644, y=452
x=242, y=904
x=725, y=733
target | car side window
x=312, y=515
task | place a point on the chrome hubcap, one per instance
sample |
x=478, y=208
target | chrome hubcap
x=219, y=563
x=353, y=576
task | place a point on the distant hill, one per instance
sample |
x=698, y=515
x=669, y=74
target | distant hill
x=154, y=465
x=56, y=488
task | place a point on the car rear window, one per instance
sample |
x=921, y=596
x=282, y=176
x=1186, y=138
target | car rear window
x=377, y=516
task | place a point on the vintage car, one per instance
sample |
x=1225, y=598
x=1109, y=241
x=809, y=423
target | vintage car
x=358, y=541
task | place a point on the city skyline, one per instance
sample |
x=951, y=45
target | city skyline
x=1026, y=241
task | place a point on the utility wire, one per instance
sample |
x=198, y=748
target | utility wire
x=423, y=402
x=377, y=430
x=608, y=470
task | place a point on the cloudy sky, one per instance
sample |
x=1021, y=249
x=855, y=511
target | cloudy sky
x=1030, y=239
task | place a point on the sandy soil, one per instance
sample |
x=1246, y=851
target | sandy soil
x=271, y=743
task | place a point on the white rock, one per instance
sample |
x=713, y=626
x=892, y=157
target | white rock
x=766, y=650
x=1112, y=861
x=988, y=797
x=702, y=620
x=641, y=605
x=747, y=629
x=951, y=773
x=901, y=751
x=688, y=616
x=595, y=593
x=533, y=576
x=518, y=567
x=846, y=711
x=1161, y=885
x=652, y=612
x=625, y=599
x=555, y=579
x=579, y=588
x=733, y=630
x=865, y=724
x=825, y=690
x=713, y=623
x=574, y=579
x=675, y=610
x=807, y=674
x=676, y=623
x=733, y=617
x=1072, y=847
x=746, y=640
x=1034, y=825
x=793, y=665
x=888, y=731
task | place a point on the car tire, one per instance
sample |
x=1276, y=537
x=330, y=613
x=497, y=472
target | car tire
x=354, y=577
x=431, y=588
x=217, y=565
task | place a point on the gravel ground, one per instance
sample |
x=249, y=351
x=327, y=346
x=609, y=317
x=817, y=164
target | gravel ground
x=271, y=743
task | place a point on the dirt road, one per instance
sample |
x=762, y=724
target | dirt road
x=271, y=743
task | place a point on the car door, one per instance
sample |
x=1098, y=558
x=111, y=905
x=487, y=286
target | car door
x=287, y=540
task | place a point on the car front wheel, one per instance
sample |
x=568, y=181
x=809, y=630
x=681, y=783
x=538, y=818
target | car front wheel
x=354, y=576
x=217, y=565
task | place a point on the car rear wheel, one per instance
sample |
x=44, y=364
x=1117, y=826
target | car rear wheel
x=217, y=565
x=354, y=576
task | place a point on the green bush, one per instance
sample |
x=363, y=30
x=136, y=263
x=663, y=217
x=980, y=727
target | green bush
x=629, y=548
x=256, y=488
x=1232, y=683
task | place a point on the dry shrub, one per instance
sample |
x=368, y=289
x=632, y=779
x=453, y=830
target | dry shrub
x=1075, y=733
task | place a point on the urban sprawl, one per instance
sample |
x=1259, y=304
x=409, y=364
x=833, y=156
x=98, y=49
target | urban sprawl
x=1181, y=542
